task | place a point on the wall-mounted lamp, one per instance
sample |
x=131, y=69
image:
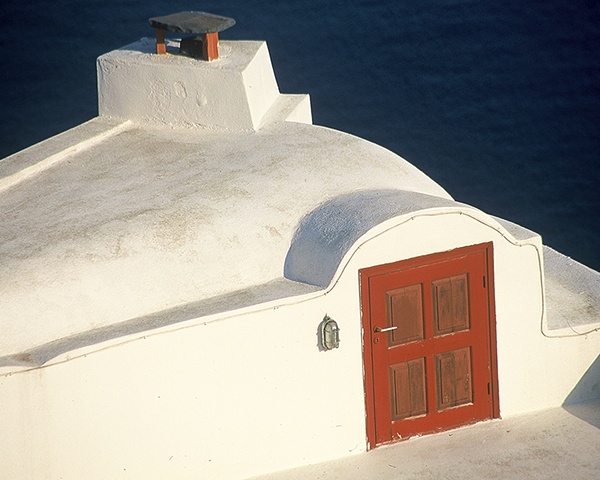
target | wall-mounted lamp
x=329, y=333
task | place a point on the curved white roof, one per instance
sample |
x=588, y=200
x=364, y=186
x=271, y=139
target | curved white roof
x=133, y=220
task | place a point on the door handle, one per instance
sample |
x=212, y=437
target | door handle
x=387, y=329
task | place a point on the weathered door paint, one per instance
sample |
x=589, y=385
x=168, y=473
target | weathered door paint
x=429, y=343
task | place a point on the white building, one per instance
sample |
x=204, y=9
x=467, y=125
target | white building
x=168, y=268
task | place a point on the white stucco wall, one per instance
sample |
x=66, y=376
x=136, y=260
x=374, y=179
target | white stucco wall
x=237, y=394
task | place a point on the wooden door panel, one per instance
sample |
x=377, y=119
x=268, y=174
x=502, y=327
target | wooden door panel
x=434, y=369
x=405, y=312
x=407, y=389
x=453, y=378
x=450, y=304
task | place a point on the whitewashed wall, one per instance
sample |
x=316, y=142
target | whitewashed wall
x=239, y=394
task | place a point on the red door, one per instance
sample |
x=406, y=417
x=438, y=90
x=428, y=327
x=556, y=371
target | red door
x=429, y=338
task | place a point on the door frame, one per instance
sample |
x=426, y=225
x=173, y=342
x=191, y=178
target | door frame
x=364, y=274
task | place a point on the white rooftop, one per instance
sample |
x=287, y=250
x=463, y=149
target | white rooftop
x=116, y=220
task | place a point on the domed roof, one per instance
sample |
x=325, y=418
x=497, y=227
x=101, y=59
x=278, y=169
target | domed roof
x=147, y=219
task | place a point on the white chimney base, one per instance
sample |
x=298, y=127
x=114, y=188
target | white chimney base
x=237, y=92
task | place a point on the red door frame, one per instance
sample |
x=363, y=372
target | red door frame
x=364, y=274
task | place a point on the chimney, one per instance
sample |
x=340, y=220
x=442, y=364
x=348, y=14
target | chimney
x=168, y=81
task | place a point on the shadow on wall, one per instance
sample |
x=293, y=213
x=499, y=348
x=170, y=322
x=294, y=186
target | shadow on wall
x=587, y=390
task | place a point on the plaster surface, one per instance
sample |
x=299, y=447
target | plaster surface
x=573, y=292
x=328, y=233
x=233, y=93
x=153, y=218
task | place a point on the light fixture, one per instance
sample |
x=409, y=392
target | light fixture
x=329, y=333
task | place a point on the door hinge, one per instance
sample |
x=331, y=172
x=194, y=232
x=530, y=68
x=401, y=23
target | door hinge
x=489, y=391
x=484, y=285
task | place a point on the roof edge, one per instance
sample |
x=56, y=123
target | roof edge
x=333, y=231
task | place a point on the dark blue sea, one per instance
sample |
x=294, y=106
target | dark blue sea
x=499, y=102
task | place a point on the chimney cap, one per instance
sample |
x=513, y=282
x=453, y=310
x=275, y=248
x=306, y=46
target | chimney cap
x=192, y=22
